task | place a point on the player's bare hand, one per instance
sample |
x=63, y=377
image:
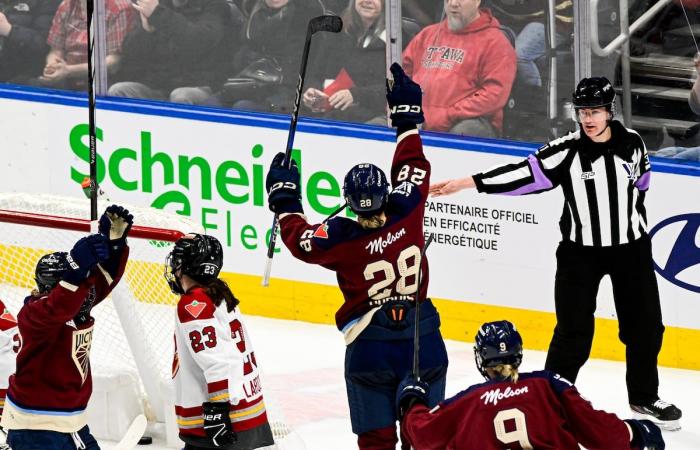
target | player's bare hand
x=449, y=187
x=341, y=100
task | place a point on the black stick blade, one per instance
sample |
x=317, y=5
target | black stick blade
x=332, y=24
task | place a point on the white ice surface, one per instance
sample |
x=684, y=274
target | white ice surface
x=302, y=367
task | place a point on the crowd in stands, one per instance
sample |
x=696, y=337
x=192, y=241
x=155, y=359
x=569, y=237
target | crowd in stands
x=467, y=54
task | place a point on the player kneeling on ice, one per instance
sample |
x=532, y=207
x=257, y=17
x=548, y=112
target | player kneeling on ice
x=515, y=410
x=377, y=260
x=219, y=400
x=48, y=394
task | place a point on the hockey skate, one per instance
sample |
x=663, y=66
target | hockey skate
x=665, y=415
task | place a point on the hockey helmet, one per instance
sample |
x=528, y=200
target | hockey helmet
x=198, y=256
x=366, y=190
x=497, y=343
x=594, y=92
x=50, y=270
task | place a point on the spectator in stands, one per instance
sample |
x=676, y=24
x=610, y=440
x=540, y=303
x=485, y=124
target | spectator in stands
x=273, y=39
x=66, y=63
x=352, y=88
x=688, y=153
x=466, y=67
x=24, y=26
x=531, y=42
x=178, y=52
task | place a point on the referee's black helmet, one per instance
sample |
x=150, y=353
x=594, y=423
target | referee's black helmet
x=594, y=92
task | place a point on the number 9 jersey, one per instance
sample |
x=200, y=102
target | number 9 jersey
x=373, y=266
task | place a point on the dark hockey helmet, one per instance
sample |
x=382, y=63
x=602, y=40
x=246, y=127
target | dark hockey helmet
x=198, y=256
x=50, y=270
x=497, y=343
x=366, y=190
x=594, y=92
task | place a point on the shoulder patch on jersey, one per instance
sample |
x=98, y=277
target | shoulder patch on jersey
x=321, y=232
x=195, y=308
x=7, y=316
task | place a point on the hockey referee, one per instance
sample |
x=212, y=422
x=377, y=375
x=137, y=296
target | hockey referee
x=603, y=170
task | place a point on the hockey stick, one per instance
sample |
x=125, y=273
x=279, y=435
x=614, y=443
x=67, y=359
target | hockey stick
x=332, y=24
x=133, y=434
x=416, y=333
x=90, y=10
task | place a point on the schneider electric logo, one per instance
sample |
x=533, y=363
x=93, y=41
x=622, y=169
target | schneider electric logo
x=202, y=185
x=682, y=265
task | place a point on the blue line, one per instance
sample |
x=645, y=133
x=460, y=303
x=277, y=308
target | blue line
x=306, y=125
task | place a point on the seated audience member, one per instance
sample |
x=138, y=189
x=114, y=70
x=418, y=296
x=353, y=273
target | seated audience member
x=531, y=42
x=24, y=26
x=692, y=151
x=272, y=41
x=178, y=52
x=66, y=64
x=466, y=67
x=352, y=88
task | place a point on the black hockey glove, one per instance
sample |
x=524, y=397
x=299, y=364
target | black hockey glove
x=115, y=224
x=85, y=255
x=410, y=392
x=282, y=183
x=646, y=435
x=217, y=423
x=405, y=99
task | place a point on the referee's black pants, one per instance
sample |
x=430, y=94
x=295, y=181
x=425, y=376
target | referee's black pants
x=579, y=272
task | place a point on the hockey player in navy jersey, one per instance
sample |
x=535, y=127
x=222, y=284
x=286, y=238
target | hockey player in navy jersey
x=376, y=259
x=218, y=394
x=515, y=410
x=49, y=392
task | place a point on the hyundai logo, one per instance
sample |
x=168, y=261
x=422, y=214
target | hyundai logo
x=682, y=266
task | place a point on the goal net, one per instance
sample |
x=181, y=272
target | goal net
x=134, y=329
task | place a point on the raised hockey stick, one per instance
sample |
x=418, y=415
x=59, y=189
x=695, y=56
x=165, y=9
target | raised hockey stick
x=133, y=434
x=332, y=24
x=90, y=10
x=416, y=329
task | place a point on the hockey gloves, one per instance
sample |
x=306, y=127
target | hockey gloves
x=115, y=224
x=646, y=435
x=282, y=183
x=405, y=99
x=217, y=423
x=85, y=255
x=410, y=392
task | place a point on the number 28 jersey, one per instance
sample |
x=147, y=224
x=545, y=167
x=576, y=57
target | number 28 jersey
x=373, y=266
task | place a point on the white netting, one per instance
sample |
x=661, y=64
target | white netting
x=22, y=245
x=143, y=295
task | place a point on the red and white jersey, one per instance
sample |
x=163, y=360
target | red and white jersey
x=10, y=343
x=214, y=362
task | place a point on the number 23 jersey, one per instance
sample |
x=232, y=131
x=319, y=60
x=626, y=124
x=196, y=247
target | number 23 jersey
x=373, y=266
x=214, y=362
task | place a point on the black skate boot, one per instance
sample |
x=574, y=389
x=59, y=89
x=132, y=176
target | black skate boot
x=665, y=415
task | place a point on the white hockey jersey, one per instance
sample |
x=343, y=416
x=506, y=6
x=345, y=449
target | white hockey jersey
x=214, y=362
x=10, y=343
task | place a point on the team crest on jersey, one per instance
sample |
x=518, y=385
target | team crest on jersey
x=195, y=308
x=82, y=342
x=322, y=232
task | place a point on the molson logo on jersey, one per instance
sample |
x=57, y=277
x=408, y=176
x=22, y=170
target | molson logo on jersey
x=379, y=244
x=682, y=264
x=196, y=186
x=495, y=395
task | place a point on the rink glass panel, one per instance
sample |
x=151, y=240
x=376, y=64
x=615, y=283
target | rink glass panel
x=251, y=70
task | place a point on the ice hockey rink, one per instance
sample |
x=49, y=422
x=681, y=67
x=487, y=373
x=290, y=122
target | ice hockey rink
x=302, y=370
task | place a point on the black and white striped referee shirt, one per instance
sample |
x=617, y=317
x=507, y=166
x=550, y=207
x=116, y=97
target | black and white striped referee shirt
x=603, y=183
